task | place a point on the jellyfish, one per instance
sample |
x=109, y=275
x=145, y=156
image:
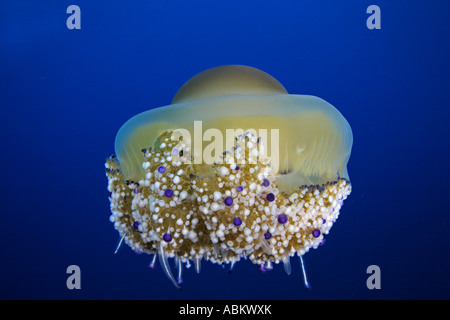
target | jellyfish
x=234, y=168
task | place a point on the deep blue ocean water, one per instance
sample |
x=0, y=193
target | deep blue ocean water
x=65, y=93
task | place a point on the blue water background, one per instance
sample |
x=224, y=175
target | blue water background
x=65, y=93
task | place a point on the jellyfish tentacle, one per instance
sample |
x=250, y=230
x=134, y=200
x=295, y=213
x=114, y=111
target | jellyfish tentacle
x=198, y=264
x=287, y=265
x=180, y=271
x=152, y=263
x=163, y=260
x=120, y=243
x=305, y=278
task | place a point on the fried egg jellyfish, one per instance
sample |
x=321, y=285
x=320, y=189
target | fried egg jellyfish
x=221, y=196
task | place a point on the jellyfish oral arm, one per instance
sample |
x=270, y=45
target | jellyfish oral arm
x=180, y=215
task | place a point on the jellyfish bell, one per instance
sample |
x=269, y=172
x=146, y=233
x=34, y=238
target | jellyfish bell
x=283, y=171
x=315, y=139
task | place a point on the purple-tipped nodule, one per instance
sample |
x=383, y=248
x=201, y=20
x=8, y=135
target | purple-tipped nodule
x=282, y=218
x=167, y=237
x=237, y=221
x=168, y=193
x=228, y=201
x=161, y=169
x=316, y=233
